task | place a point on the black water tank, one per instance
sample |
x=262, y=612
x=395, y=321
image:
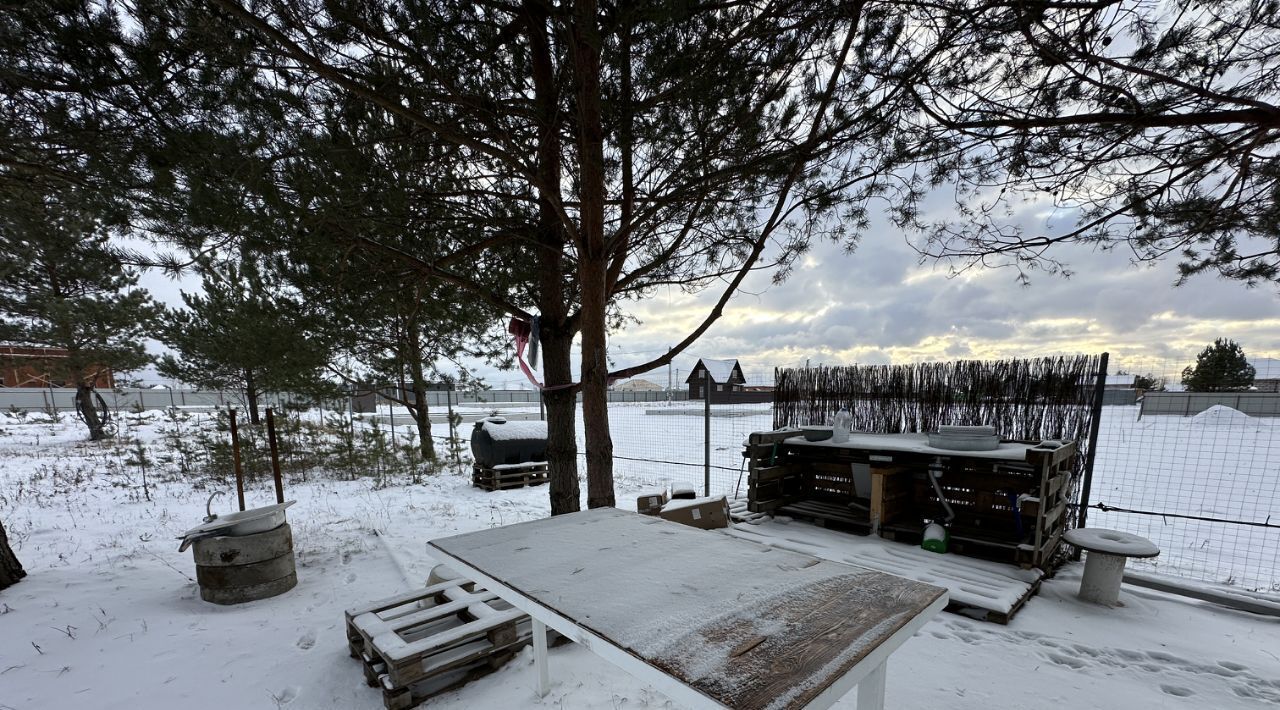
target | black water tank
x=496, y=441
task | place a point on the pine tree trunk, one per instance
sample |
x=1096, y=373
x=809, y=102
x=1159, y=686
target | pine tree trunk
x=88, y=405
x=562, y=440
x=593, y=256
x=420, y=411
x=422, y=418
x=556, y=332
x=10, y=569
x=251, y=394
x=595, y=396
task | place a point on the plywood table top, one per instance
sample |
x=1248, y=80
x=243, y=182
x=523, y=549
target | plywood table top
x=741, y=624
x=914, y=444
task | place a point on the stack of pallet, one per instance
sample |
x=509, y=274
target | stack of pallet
x=422, y=643
x=511, y=475
x=772, y=483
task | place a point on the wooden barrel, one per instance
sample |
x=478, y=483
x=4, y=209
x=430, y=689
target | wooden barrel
x=233, y=570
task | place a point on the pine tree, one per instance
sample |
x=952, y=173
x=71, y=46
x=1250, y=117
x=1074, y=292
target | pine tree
x=1220, y=367
x=10, y=569
x=64, y=286
x=243, y=333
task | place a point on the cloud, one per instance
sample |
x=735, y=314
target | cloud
x=879, y=305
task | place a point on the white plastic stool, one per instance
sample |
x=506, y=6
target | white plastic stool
x=1104, y=566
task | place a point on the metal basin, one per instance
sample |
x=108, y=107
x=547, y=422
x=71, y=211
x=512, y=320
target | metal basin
x=245, y=522
x=817, y=433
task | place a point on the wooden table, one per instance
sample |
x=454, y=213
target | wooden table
x=710, y=620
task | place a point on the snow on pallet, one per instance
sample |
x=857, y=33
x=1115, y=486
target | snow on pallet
x=989, y=590
x=420, y=643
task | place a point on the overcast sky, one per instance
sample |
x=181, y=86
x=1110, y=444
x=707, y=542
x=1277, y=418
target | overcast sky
x=878, y=305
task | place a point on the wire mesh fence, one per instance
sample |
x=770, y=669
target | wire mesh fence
x=1193, y=473
x=687, y=443
x=1196, y=475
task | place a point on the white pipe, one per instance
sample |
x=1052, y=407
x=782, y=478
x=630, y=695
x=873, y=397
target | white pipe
x=933, y=478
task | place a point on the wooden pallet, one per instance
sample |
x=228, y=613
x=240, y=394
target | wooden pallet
x=995, y=617
x=422, y=643
x=740, y=513
x=836, y=516
x=509, y=476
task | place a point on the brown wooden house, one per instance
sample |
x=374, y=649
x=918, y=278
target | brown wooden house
x=24, y=366
x=726, y=376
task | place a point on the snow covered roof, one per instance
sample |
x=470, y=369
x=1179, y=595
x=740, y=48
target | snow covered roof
x=1266, y=368
x=720, y=370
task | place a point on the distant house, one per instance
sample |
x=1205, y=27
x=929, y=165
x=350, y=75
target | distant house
x=638, y=385
x=1114, y=382
x=1266, y=376
x=22, y=366
x=726, y=376
x=1121, y=382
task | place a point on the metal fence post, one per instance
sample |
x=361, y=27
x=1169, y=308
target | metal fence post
x=706, y=434
x=1099, y=389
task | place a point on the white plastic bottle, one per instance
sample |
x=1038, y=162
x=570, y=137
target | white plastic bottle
x=840, y=426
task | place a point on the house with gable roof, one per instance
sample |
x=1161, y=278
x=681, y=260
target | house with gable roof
x=726, y=376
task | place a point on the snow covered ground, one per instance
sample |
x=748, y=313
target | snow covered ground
x=110, y=617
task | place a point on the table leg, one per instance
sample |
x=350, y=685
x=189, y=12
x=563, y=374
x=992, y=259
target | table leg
x=540, y=657
x=871, y=689
x=1103, y=573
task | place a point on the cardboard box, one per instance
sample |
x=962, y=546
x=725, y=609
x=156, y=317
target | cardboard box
x=683, y=494
x=706, y=513
x=651, y=503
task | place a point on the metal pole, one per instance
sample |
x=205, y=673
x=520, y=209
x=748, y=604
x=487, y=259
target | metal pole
x=275, y=456
x=1099, y=391
x=235, y=456
x=706, y=433
x=668, y=397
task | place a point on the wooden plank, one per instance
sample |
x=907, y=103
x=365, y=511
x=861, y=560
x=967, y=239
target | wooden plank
x=772, y=473
x=1052, y=457
x=889, y=491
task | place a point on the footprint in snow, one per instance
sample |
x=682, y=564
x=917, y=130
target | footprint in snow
x=308, y=640
x=285, y=696
x=351, y=577
x=1176, y=690
x=1068, y=661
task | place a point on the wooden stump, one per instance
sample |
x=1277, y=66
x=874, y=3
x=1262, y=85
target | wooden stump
x=237, y=569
